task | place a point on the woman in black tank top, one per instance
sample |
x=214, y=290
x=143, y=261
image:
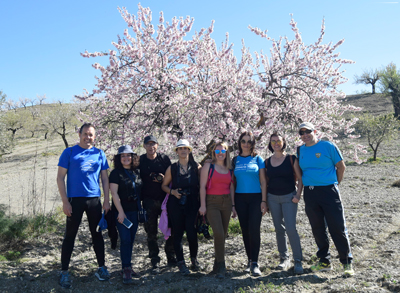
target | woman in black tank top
x=282, y=172
x=183, y=203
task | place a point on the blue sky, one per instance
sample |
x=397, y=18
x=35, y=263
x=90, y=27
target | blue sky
x=41, y=40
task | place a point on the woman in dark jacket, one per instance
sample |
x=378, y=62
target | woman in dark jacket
x=183, y=203
x=125, y=186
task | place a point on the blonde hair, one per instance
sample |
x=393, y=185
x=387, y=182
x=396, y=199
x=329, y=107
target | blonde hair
x=227, y=161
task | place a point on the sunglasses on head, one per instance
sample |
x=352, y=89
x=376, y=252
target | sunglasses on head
x=308, y=131
x=244, y=141
x=220, y=151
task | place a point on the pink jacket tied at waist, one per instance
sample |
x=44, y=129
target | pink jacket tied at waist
x=163, y=224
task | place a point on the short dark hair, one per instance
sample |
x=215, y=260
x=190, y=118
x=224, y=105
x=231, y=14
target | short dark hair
x=276, y=133
x=253, y=142
x=85, y=125
x=118, y=164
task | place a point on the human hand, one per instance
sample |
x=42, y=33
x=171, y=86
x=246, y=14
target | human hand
x=106, y=206
x=264, y=208
x=234, y=214
x=176, y=193
x=121, y=217
x=67, y=209
x=296, y=198
x=202, y=210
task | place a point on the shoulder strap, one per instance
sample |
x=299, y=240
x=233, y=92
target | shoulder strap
x=210, y=174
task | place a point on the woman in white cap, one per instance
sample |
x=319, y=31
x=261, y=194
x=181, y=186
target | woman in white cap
x=125, y=186
x=183, y=203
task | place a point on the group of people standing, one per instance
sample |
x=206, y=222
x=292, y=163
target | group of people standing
x=246, y=186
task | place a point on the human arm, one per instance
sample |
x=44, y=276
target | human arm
x=203, y=186
x=340, y=168
x=165, y=184
x=117, y=202
x=232, y=189
x=263, y=184
x=297, y=171
x=61, y=173
x=106, y=189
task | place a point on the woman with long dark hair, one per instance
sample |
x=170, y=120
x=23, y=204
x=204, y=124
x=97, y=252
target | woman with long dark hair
x=125, y=186
x=250, y=202
x=183, y=203
x=216, y=196
x=283, y=199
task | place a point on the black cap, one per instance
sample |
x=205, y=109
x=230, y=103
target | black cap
x=150, y=138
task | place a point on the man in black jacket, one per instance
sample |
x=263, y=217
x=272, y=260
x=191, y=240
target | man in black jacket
x=152, y=169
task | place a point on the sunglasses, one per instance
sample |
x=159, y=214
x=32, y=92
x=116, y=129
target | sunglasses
x=220, y=151
x=244, y=141
x=273, y=142
x=302, y=132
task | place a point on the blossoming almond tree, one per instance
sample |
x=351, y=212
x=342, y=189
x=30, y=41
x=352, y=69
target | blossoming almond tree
x=165, y=83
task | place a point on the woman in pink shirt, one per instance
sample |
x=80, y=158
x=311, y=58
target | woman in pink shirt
x=216, y=195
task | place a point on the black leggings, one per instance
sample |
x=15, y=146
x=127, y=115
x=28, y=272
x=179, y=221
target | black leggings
x=248, y=208
x=92, y=207
x=182, y=221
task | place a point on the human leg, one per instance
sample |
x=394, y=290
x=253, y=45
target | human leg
x=255, y=217
x=71, y=229
x=335, y=219
x=242, y=210
x=127, y=238
x=93, y=213
x=275, y=208
x=289, y=209
x=151, y=228
x=214, y=217
x=316, y=218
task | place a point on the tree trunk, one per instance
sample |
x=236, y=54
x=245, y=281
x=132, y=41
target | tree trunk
x=65, y=140
x=396, y=105
x=373, y=88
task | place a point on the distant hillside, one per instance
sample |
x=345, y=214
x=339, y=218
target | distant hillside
x=373, y=103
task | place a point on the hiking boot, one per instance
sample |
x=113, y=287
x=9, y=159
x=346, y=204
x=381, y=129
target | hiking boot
x=348, y=270
x=195, y=266
x=298, y=268
x=247, y=269
x=65, y=281
x=127, y=275
x=172, y=262
x=255, y=270
x=321, y=267
x=283, y=265
x=183, y=268
x=102, y=274
x=155, y=270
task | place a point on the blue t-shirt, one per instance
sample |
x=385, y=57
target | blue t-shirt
x=318, y=163
x=247, y=171
x=84, y=166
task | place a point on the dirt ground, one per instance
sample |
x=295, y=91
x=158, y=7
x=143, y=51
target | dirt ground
x=372, y=213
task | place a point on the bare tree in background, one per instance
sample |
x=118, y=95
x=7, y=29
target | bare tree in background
x=369, y=76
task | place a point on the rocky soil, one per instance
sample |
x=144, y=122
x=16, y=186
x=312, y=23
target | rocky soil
x=372, y=212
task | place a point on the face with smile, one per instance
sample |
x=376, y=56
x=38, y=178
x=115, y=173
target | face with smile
x=151, y=148
x=183, y=152
x=308, y=138
x=246, y=143
x=220, y=156
x=277, y=143
x=126, y=160
x=86, y=137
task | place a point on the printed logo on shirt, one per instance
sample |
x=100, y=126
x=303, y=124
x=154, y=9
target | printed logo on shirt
x=318, y=155
x=87, y=166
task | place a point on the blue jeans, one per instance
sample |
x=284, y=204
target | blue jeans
x=283, y=212
x=127, y=237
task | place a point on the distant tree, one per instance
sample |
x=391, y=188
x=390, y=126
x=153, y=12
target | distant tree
x=390, y=85
x=378, y=129
x=370, y=76
x=60, y=119
x=41, y=99
x=4, y=136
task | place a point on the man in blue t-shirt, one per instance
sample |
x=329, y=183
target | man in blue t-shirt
x=323, y=168
x=83, y=165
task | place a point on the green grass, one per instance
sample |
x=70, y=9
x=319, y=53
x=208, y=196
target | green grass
x=234, y=227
